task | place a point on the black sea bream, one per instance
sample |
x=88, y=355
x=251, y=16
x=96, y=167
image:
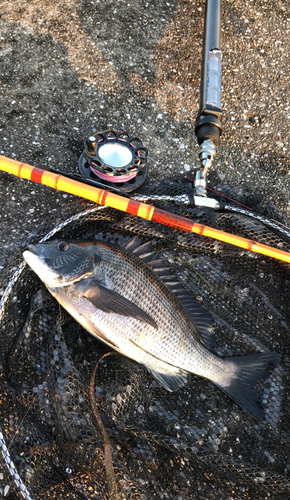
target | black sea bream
x=128, y=299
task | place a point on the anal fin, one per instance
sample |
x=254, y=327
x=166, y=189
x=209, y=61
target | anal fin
x=169, y=376
x=170, y=380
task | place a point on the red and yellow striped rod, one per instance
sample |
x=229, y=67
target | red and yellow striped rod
x=149, y=212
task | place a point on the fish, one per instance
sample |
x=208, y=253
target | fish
x=126, y=296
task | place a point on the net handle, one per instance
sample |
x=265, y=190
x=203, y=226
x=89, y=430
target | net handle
x=133, y=207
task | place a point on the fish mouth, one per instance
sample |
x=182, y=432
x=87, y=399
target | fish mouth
x=35, y=258
x=33, y=249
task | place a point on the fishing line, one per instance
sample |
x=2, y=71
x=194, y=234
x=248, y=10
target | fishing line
x=220, y=194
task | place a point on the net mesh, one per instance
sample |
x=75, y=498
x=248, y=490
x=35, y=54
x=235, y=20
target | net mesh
x=193, y=443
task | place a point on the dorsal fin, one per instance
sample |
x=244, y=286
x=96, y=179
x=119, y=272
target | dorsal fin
x=201, y=318
x=136, y=246
x=158, y=263
x=132, y=243
x=147, y=257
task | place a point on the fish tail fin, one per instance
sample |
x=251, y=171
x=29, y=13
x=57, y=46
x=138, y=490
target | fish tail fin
x=250, y=370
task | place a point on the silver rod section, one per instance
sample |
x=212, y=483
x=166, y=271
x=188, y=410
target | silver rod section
x=211, y=40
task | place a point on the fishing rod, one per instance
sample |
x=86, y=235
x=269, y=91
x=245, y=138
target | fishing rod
x=133, y=207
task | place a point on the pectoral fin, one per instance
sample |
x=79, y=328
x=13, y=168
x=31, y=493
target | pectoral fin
x=112, y=302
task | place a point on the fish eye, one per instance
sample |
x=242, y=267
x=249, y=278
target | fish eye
x=63, y=246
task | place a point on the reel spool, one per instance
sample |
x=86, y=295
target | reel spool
x=114, y=159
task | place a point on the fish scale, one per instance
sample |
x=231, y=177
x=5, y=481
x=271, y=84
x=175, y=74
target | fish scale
x=140, y=310
x=175, y=343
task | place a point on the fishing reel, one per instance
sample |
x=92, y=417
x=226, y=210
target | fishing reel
x=114, y=159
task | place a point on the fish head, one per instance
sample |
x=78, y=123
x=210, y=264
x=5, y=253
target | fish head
x=61, y=263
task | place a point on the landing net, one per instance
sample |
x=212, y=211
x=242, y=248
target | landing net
x=191, y=444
